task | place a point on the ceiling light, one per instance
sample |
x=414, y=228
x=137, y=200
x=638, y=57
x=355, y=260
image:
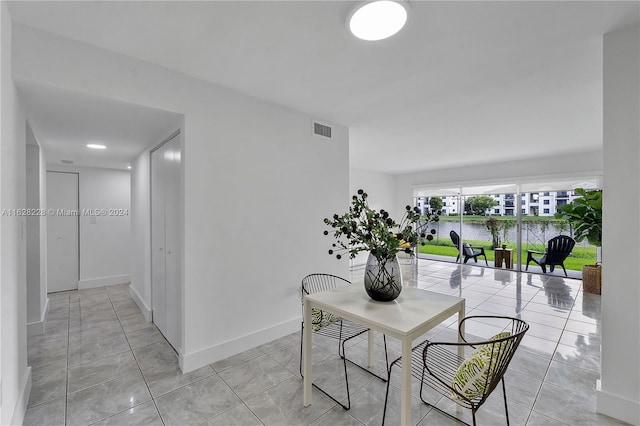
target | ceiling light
x=96, y=146
x=129, y=167
x=377, y=20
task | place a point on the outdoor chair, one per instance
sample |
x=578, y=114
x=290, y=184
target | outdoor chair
x=469, y=251
x=332, y=326
x=466, y=381
x=558, y=248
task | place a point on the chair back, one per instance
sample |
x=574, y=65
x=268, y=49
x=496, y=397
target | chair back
x=314, y=283
x=466, y=247
x=558, y=249
x=455, y=239
x=499, y=351
x=502, y=351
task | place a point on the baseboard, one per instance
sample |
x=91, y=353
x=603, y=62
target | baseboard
x=37, y=328
x=146, y=311
x=194, y=360
x=617, y=406
x=100, y=282
x=21, y=404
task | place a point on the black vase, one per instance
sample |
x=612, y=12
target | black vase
x=382, y=279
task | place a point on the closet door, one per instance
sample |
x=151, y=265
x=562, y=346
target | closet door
x=166, y=240
x=62, y=232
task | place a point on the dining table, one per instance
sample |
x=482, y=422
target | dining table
x=410, y=316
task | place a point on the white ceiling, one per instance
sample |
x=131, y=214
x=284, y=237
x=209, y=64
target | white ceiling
x=65, y=122
x=463, y=83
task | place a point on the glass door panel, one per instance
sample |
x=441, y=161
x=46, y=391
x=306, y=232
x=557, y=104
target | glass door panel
x=539, y=225
x=489, y=216
x=441, y=247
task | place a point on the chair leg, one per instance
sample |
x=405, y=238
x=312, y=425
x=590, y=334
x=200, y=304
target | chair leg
x=565, y=271
x=386, y=354
x=346, y=379
x=301, y=335
x=544, y=268
x=504, y=394
x=386, y=395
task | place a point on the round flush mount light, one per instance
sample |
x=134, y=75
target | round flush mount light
x=377, y=20
x=96, y=146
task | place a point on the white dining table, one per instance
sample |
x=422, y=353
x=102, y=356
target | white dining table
x=408, y=317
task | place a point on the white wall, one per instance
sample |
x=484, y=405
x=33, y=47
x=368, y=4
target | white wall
x=379, y=186
x=105, y=246
x=36, y=241
x=140, y=288
x=380, y=189
x=16, y=376
x=619, y=393
x=251, y=171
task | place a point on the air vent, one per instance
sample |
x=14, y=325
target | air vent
x=321, y=130
x=66, y=161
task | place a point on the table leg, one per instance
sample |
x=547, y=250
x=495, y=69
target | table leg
x=307, y=359
x=370, y=340
x=405, y=403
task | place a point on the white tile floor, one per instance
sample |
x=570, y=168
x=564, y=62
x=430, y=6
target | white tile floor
x=100, y=362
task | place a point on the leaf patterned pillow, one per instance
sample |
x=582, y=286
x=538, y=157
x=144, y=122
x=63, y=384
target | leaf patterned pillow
x=320, y=319
x=471, y=377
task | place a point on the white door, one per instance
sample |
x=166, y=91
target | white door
x=166, y=239
x=62, y=232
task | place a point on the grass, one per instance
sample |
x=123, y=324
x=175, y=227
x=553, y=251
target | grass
x=579, y=257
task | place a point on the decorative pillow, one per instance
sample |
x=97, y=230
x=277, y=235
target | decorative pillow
x=471, y=377
x=467, y=250
x=320, y=319
x=404, y=245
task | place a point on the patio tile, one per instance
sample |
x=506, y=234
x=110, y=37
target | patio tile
x=282, y=405
x=255, y=376
x=196, y=402
x=562, y=404
x=48, y=413
x=143, y=414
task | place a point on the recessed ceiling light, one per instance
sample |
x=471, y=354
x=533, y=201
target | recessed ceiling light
x=96, y=146
x=129, y=167
x=377, y=20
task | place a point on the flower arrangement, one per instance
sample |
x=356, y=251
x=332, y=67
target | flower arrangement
x=365, y=229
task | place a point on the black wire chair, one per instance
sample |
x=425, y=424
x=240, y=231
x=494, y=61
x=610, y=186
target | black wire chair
x=436, y=364
x=334, y=327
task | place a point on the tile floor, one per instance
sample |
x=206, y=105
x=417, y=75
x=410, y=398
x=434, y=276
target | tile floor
x=100, y=362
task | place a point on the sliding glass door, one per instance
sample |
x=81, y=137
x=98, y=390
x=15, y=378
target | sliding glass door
x=510, y=224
